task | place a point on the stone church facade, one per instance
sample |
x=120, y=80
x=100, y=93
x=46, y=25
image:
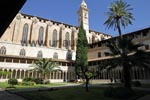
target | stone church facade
x=29, y=38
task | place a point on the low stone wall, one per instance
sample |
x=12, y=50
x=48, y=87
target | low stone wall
x=100, y=81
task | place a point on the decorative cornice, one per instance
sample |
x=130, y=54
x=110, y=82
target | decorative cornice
x=62, y=26
x=19, y=16
x=49, y=23
x=35, y=20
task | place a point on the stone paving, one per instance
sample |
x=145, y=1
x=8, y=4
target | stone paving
x=146, y=97
x=9, y=96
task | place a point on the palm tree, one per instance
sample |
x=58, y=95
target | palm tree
x=119, y=14
x=44, y=67
x=131, y=57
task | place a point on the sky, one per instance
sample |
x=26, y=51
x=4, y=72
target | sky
x=65, y=11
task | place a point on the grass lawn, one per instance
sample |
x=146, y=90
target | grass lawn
x=77, y=93
x=71, y=93
x=5, y=85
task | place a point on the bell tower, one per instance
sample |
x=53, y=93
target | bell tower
x=83, y=15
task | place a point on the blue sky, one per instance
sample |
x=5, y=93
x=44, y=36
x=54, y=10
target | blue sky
x=65, y=11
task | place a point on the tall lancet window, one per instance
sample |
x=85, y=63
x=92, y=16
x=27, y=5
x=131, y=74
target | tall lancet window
x=40, y=37
x=54, y=39
x=25, y=33
x=67, y=41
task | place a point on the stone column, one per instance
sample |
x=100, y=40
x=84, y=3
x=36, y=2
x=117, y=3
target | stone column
x=20, y=74
x=62, y=29
x=36, y=75
x=50, y=75
x=16, y=73
x=62, y=73
x=7, y=74
x=47, y=36
x=24, y=74
x=11, y=73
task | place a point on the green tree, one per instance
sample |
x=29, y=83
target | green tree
x=12, y=82
x=81, y=63
x=44, y=67
x=119, y=14
x=4, y=73
x=134, y=57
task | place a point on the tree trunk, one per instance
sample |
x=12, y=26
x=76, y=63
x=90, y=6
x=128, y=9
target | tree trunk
x=87, y=85
x=127, y=76
x=119, y=29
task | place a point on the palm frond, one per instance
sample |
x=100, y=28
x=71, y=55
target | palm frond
x=118, y=11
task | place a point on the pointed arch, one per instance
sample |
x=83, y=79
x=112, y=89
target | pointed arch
x=67, y=40
x=69, y=55
x=40, y=54
x=22, y=52
x=40, y=36
x=55, y=55
x=3, y=50
x=72, y=41
x=25, y=33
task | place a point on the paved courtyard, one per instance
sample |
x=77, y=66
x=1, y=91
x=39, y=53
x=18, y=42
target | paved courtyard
x=9, y=96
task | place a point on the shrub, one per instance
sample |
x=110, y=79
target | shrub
x=28, y=79
x=118, y=92
x=136, y=83
x=12, y=82
x=72, y=81
x=38, y=81
x=46, y=81
x=28, y=83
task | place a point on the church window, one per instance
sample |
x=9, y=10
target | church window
x=40, y=54
x=54, y=39
x=25, y=34
x=22, y=52
x=69, y=55
x=40, y=37
x=99, y=54
x=72, y=41
x=3, y=50
x=55, y=56
x=66, y=42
